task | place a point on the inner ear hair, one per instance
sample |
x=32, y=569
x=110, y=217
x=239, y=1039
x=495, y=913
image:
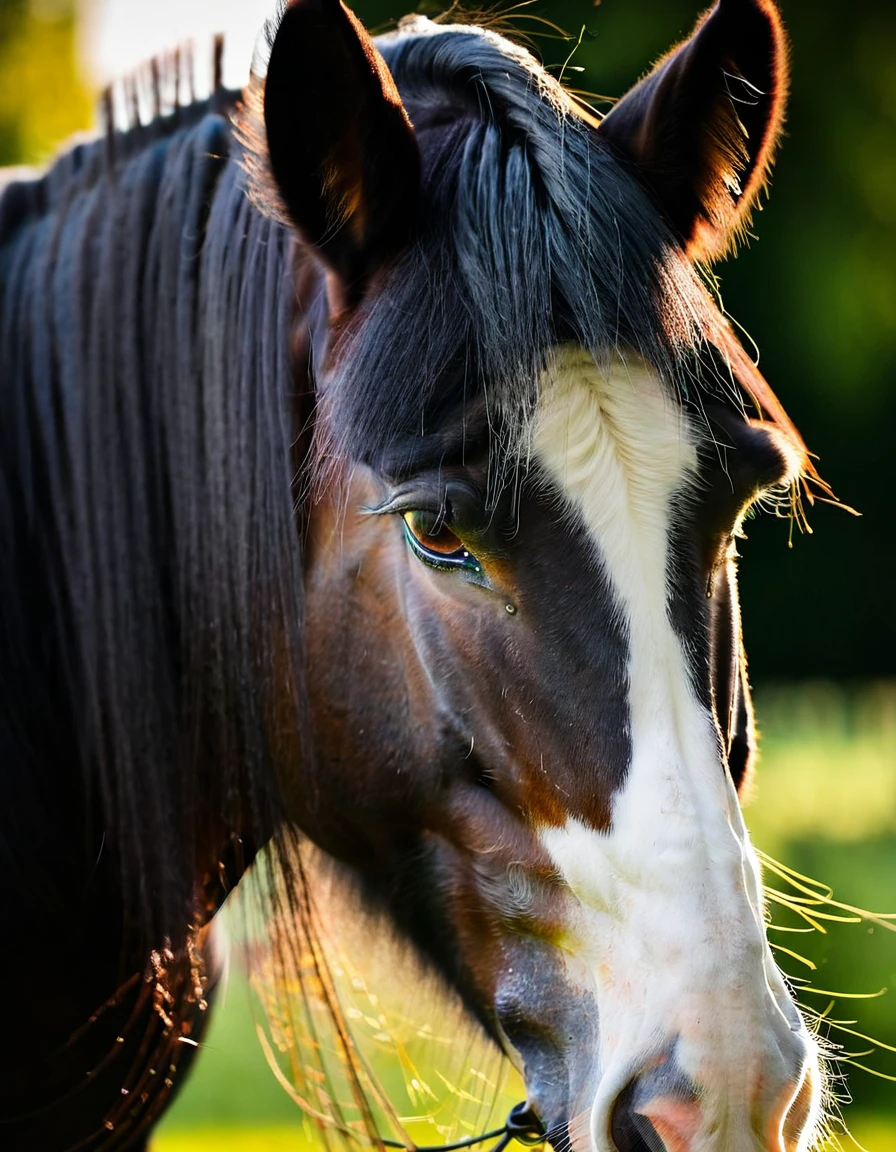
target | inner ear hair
x=328, y=144
x=702, y=127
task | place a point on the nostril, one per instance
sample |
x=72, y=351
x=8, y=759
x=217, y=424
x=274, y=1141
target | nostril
x=676, y=1122
x=658, y=1112
x=524, y=1125
x=630, y=1131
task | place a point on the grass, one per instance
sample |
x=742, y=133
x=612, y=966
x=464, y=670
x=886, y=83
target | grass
x=827, y=767
x=825, y=802
x=871, y=1134
x=259, y=1139
x=231, y=1084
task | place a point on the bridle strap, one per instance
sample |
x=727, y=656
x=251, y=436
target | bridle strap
x=522, y=1125
x=469, y=1142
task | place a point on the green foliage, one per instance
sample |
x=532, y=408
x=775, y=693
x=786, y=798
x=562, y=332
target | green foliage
x=232, y=1086
x=825, y=804
x=43, y=99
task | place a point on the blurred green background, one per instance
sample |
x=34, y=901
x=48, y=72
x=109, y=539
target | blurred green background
x=818, y=294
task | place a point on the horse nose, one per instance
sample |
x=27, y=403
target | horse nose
x=657, y=1112
x=661, y=1111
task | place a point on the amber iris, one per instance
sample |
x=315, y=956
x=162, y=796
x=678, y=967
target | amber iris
x=434, y=542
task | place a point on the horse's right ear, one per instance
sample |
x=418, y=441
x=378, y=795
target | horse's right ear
x=701, y=128
x=342, y=151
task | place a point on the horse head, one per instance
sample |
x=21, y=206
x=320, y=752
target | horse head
x=536, y=439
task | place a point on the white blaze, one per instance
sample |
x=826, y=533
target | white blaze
x=669, y=930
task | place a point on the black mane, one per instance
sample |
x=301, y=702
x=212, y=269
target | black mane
x=146, y=500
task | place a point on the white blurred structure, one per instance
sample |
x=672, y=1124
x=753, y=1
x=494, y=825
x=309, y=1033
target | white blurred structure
x=117, y=35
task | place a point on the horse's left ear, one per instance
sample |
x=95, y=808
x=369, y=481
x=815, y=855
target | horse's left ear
x=342, y=151
x=701, y=128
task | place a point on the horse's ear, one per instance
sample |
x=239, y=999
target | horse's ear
x=701, y=128
x=342, y=151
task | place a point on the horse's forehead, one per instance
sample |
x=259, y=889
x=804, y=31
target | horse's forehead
x=621, y=454
x=619, y=447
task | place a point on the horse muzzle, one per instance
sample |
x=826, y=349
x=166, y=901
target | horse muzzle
x=661, y=1109
x=597, y=1087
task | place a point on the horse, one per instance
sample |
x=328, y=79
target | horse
x=373, y=456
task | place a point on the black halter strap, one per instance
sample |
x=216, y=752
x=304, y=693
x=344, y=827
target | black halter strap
x=522, y=1125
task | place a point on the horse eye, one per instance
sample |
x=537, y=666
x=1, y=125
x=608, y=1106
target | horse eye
x=435, y=544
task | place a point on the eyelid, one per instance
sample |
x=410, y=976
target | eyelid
x=439, y=507
x=402, y=502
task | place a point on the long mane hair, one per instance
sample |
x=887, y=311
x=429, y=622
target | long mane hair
x=146, y=492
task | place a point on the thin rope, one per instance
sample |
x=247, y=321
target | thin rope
x=521, y=1125
x=469, y=1142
